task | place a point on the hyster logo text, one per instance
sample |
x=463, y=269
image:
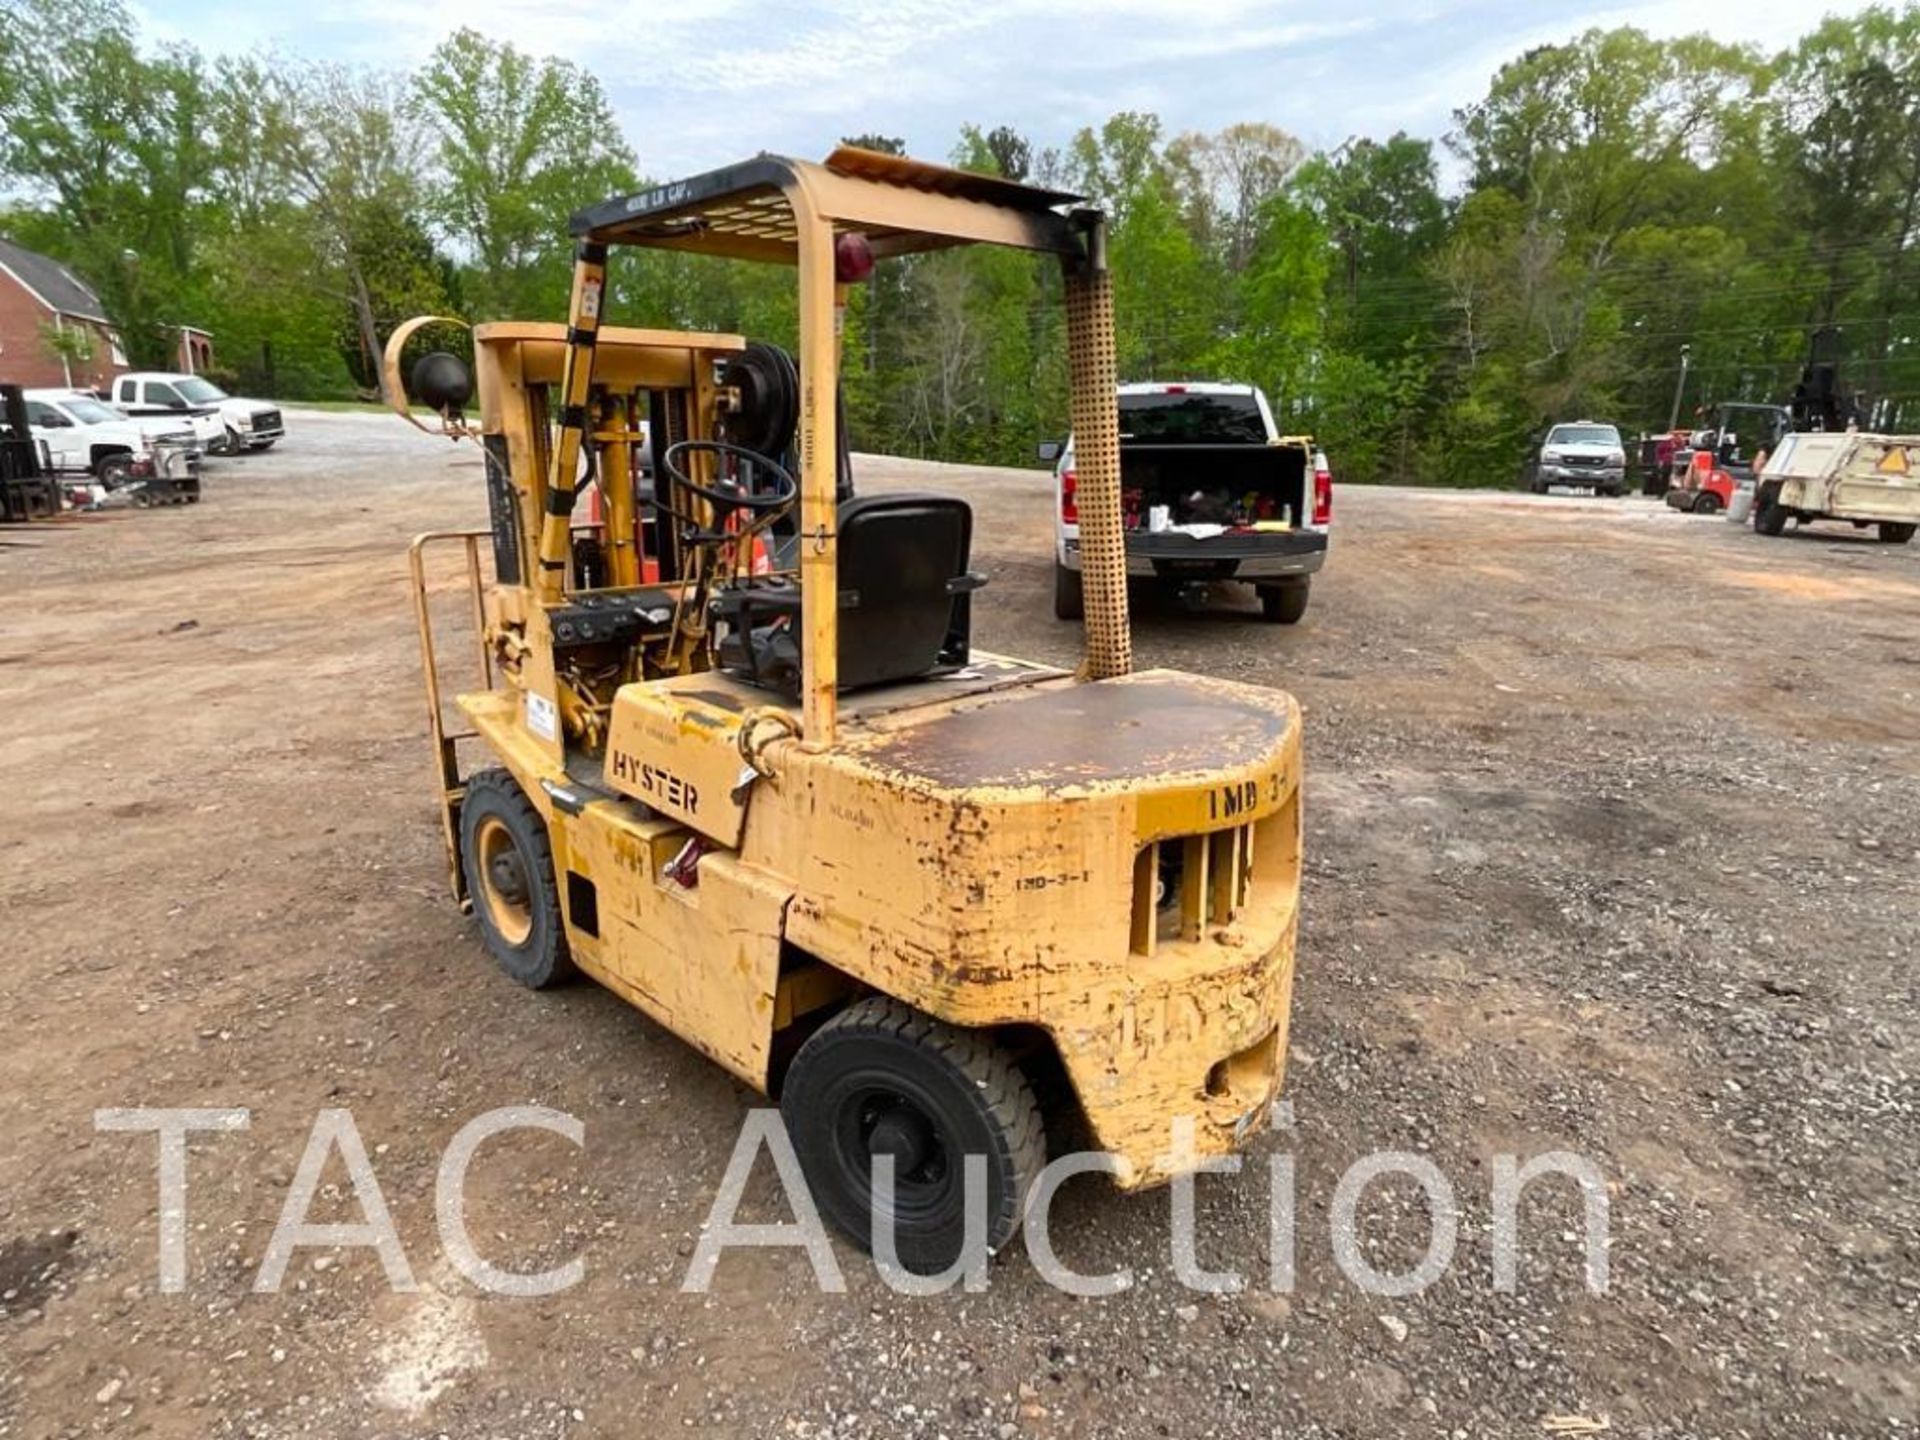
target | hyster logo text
x=656, y=783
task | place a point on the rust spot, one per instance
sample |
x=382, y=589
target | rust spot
x=1145, y=727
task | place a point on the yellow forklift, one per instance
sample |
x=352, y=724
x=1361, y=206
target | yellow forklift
x=743, y=766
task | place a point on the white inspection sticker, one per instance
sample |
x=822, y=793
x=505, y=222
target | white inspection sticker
x=543, y=719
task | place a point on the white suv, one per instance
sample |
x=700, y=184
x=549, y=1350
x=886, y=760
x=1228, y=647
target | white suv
x=86, y=437
x=228, y=425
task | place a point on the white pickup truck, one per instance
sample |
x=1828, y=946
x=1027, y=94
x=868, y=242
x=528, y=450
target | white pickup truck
x=1210, y=491
x=227, y=425
x=87, y=437
x=1863, y=479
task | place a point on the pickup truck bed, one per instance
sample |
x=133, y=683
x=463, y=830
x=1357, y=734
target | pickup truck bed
x=1209, y=492
x=1231, y=512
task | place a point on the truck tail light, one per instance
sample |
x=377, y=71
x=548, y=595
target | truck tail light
x=1322, y=494
x=1069, y=506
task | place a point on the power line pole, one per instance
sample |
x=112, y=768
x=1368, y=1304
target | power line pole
x=1673, y=420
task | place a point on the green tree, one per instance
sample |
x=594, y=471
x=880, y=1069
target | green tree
x=1380, y=204
x=72, y=343
x=1585, y=157
x=1168, y=294
x=1277, y=342
x=1603, y=133
x=1011, y=152
x=522, y=143
x=113, y=146
x=1113, y=166
x=1224, y=179
x=1624, y=196
x=1846, y=134
x=885, y=144
x=345, y=150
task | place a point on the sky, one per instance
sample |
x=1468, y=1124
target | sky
x=699, y=83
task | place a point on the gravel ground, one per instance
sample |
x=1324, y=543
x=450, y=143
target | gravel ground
x=1612, y=849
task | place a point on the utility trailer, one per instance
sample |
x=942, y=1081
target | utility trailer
x=1866, y=480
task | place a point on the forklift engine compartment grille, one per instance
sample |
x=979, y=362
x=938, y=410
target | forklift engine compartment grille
x=1189, y=886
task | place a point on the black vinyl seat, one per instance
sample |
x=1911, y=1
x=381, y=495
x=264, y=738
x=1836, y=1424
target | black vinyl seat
x=904, y=599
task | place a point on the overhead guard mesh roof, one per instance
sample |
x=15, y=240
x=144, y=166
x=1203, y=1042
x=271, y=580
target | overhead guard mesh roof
x=742, y=210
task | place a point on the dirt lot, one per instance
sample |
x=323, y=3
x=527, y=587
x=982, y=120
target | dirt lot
x=1612, y=848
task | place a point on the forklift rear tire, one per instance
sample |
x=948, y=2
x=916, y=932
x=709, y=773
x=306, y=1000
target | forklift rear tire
x=879, y=1078
x=1069, y=596
x=1892, y=533
x=1284, y=604
x=508, y=863
x=1706, y=503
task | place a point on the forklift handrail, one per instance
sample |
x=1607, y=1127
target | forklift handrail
x=445, y=746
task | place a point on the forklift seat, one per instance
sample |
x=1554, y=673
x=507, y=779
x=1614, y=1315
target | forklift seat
x=904, y=607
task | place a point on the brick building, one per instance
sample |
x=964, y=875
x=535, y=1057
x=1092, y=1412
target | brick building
x=41, y=301
x=192, y=349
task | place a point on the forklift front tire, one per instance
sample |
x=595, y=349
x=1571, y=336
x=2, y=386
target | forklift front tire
x=882, y=1078
x=508, y=863
x=1069, y=598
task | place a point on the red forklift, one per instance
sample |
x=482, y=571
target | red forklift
x=1705, y=468
x=1724, y=455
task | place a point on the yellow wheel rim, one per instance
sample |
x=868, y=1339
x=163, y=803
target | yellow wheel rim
x=506, y=882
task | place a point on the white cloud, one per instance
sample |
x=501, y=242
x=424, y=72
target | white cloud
x=700, y=82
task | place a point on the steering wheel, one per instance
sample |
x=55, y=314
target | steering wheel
x=782, y=494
